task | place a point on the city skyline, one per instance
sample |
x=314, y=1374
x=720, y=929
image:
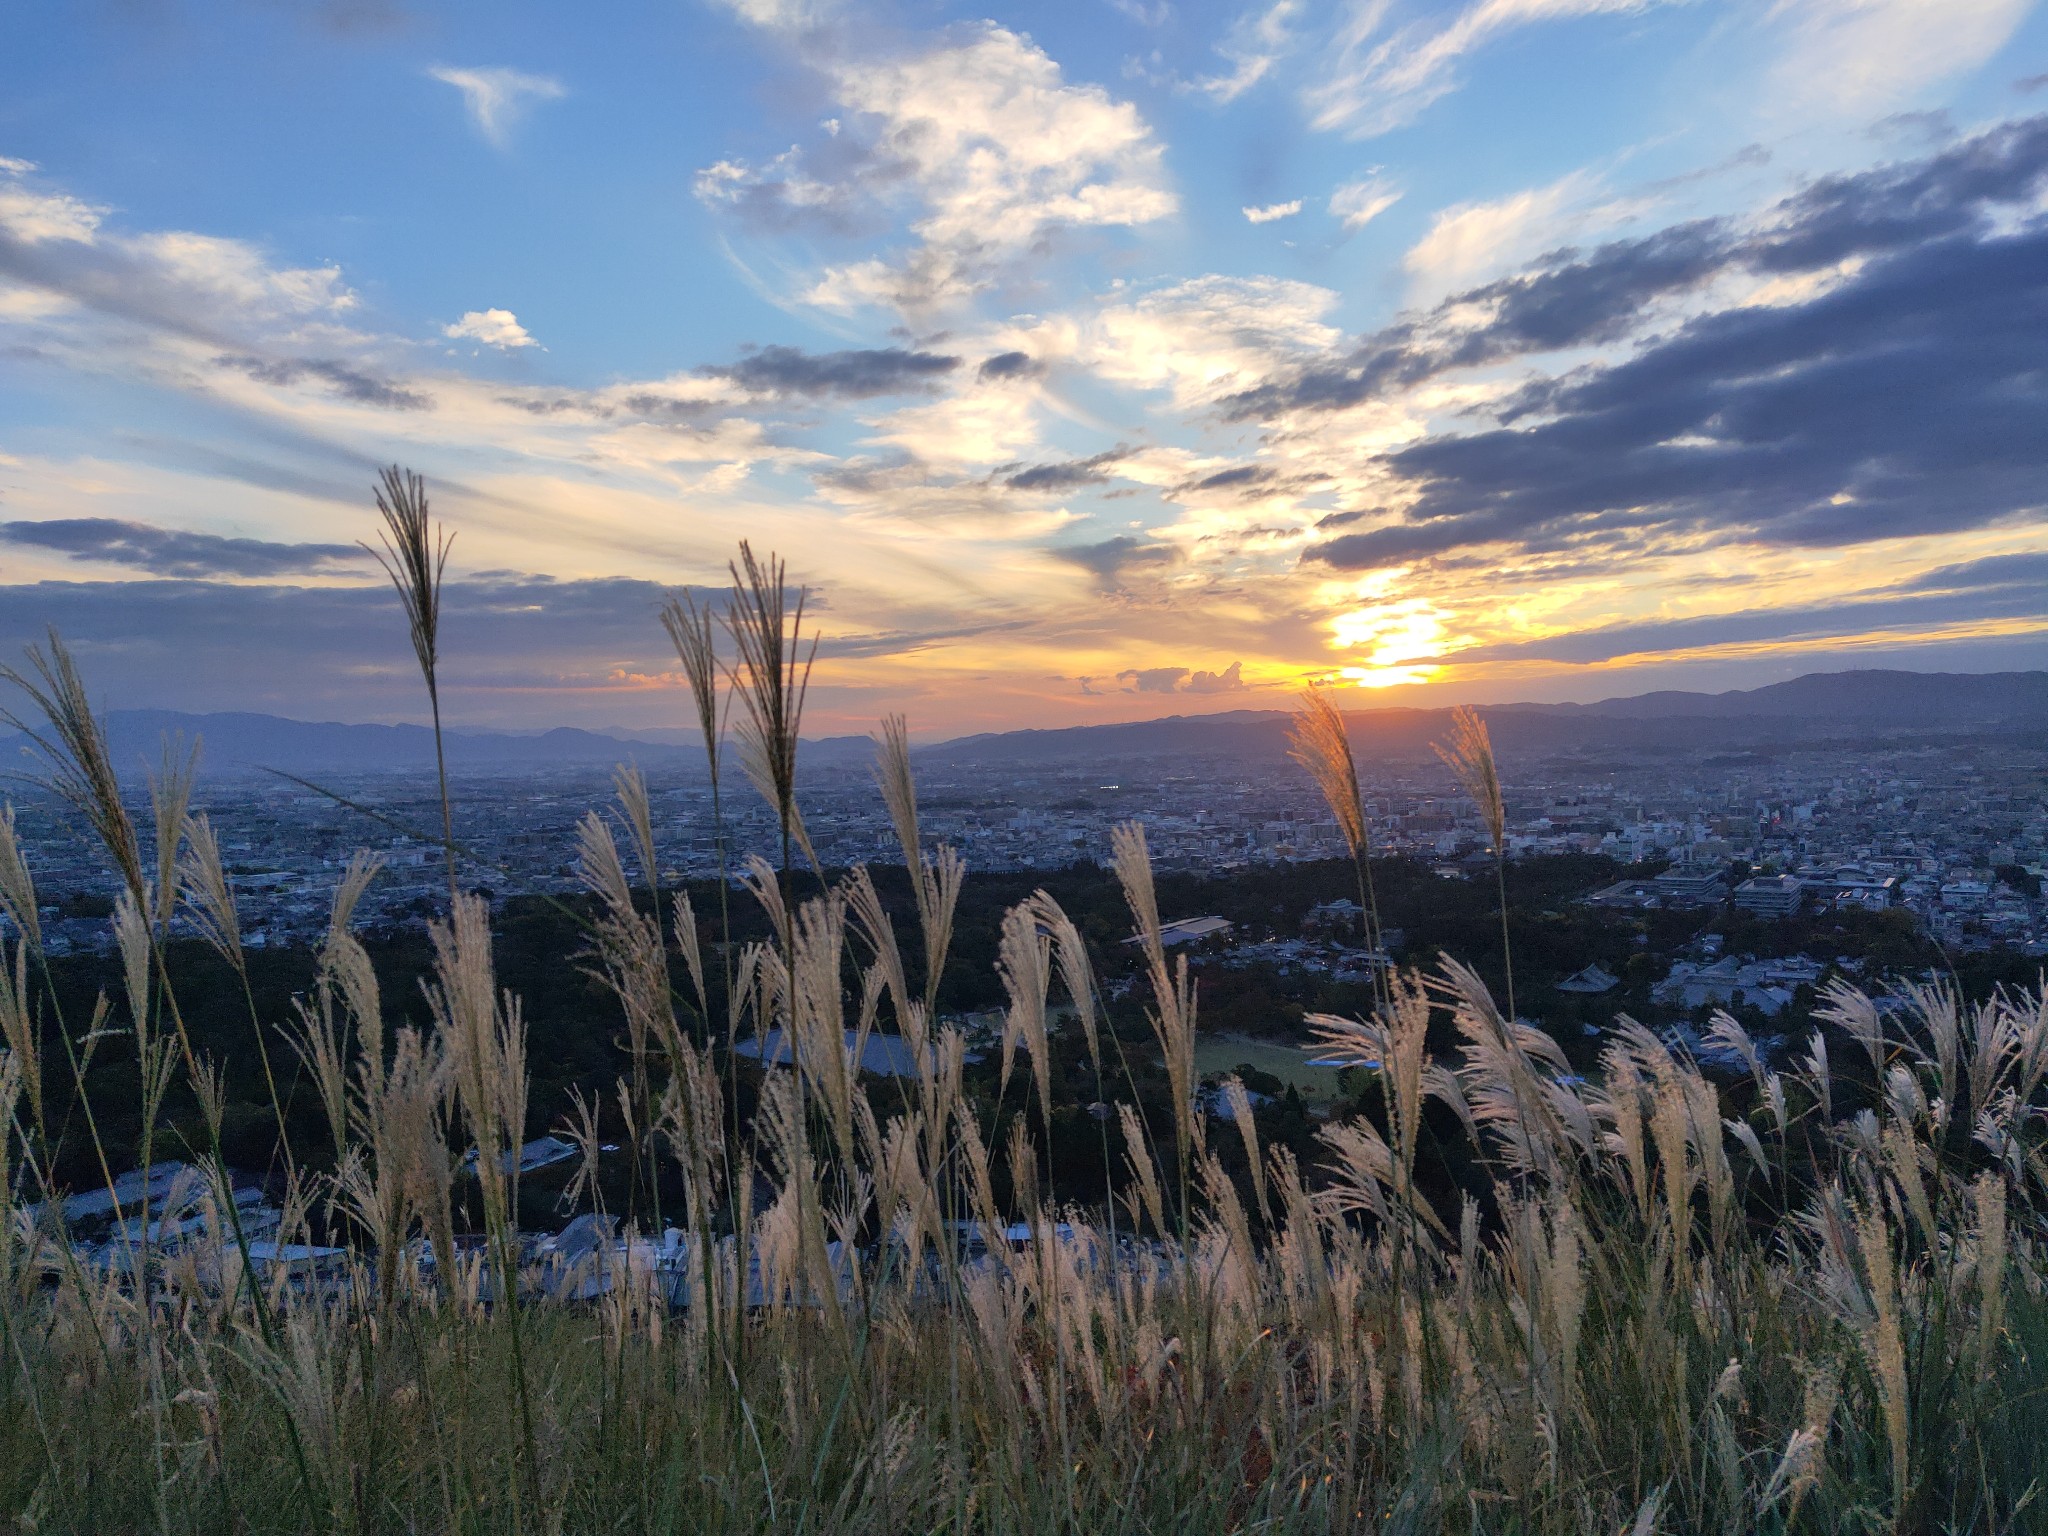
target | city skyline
x=1087, y=365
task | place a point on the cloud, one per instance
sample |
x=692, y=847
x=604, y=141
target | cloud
x=493, y=327
x=1471, y=240
x=1357, y=203
x=1273, y=211
x=1183, y=680
x=1376, y=83
x=1108, y=560
x=1229, y=680
x=985, y=145
x=1257, y=41
x=349, y=383
x=1071, y=475
x=1154, y=679
x=1574, y=299
x=498, y=98
x=1009, y=365
x=851, y=375
x=1210, y=336
x=176, y=282
x=170, y=552
x=1905, y=400
x=1852, y=57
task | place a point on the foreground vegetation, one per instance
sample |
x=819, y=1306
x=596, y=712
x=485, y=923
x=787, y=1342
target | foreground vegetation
x=1506, y=1296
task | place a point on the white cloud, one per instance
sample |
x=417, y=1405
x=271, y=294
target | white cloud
x=1272, y=211
x=1358, y=203
x=1210, y=336
x=492, y=327
x=1255, y=44
x=1857, y=56
x=1470, y=242
x=1379, y=83
x=782, y=15
x=992, y=145
x=498, y=98
x=34, y=217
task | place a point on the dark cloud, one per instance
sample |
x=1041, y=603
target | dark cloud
x=1010, y=365
x=169, y=552
x=1909, y=398
x=349, y=383
x=1241, y=478
x=1993, y=573
x=1068, y=476
x=852, y=375
x=1108, y=560
x=1576, y=299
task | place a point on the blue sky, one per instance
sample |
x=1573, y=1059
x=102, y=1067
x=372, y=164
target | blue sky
x=1118, y=358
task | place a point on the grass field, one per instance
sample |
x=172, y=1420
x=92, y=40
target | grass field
x=1289, y=1063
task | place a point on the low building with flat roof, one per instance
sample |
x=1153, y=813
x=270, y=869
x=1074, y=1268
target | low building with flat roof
x=1771, y=895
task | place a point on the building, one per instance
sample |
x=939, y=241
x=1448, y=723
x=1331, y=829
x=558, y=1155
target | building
x=1691, y=887
x=1188, y=930
x=1771, y=895
x=1590, y=982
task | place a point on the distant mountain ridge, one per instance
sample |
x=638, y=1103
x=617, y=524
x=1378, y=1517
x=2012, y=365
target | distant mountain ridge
x=1816, y=706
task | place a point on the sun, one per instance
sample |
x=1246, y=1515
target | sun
x=1391, y=636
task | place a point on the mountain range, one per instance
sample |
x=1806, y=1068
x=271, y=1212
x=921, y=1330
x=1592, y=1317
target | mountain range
x=1820, y=706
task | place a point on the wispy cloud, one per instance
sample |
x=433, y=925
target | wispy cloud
x=1273, y=211
x=174, y=552
x=1357, y=203
x=498, y=98
x=1853, y=57
x=1380, y=79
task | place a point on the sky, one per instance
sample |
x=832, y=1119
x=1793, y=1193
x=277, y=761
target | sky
x=1085, y=362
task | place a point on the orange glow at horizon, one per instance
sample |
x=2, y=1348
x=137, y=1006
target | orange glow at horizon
x=1391, y=635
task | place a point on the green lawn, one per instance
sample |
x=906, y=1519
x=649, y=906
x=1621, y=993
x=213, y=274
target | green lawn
x=1289, y=1063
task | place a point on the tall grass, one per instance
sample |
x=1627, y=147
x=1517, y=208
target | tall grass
x=1809, y=1299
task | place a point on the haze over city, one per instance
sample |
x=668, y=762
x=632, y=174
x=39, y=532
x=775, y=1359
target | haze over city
x=1088, y=363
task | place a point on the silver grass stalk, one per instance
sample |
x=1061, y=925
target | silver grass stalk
x=317, y=1039
x=17, y=886
x=1320, y=742
x=18, y=1028
x=690, y=943
x=1076, y=974
x=1239, y=1103
x=1173, y=991
x=414, y=553
x=208, y=896
x=170, y=796
x=1469, y=755
x=871, y=921
x=1023, y=962
x=631, y=787
x=1143, y=1175
x=75, y=748
x=131, y=942
x=772, y=675
x=935, y=879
